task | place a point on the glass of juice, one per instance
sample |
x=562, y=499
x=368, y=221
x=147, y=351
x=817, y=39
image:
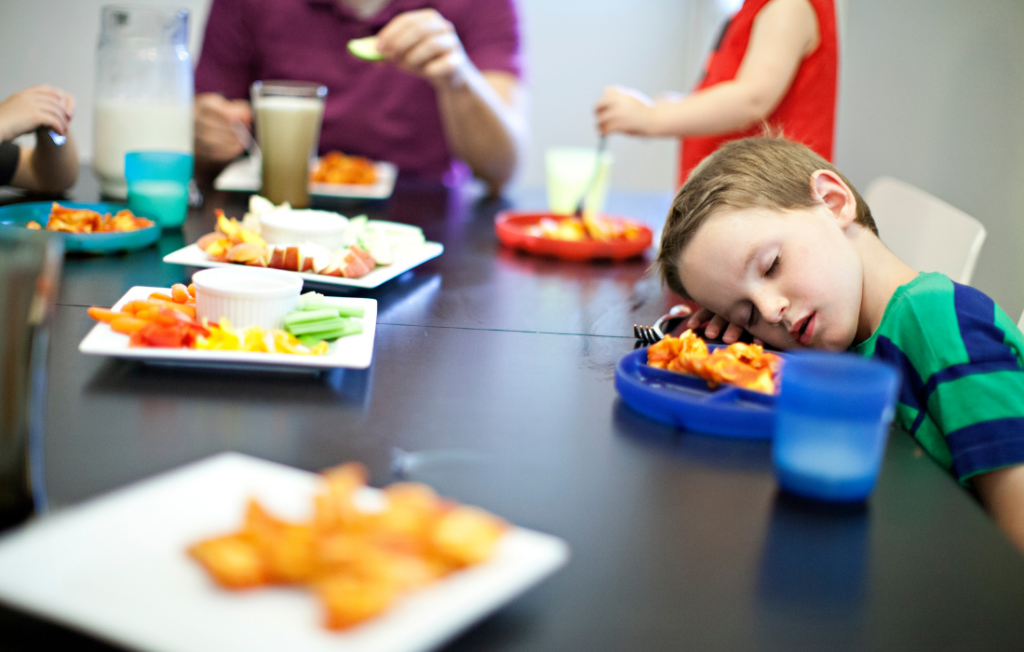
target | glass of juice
x=832, y=421
x=569, y=171
x=288, y=116
x=158, y=185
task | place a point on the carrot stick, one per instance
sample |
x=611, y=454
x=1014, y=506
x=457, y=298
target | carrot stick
x=179, y=293
x=104, y=315
x=127, y=325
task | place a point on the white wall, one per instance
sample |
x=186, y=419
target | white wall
x=577, y=47
x=932, y=93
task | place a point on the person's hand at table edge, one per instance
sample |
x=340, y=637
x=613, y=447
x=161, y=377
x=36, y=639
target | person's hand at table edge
x=482, y=111
x=216, y=138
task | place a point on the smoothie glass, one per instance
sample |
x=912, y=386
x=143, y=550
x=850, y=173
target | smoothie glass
x=288, y=116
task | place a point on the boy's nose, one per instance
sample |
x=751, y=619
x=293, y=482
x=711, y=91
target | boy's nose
x=773, y=308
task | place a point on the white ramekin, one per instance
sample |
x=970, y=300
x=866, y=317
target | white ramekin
x=247, y=296
x=289, y=226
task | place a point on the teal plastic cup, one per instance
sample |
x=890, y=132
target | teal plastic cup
x=158, y=185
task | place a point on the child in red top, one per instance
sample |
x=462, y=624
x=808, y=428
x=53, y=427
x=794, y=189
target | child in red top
x=776, y=62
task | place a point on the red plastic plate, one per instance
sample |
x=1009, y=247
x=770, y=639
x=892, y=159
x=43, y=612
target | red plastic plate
x=511, y=227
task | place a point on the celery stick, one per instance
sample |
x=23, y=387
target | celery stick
x=351, y=328
x=317, y=326
x=303, y=316
x=342, y=311
x=309, y=341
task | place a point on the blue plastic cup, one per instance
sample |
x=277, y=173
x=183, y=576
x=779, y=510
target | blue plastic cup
x=832, y=422
x=158, y=185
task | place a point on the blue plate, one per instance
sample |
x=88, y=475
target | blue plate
x=685, y=401
x=18, y=215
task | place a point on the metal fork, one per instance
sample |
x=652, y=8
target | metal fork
x=647, y=335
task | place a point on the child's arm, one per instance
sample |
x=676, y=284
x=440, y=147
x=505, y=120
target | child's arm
x=48, y=167
x=1002, y=491
x=784, y=32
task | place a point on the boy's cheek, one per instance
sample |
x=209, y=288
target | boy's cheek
x=775, y=336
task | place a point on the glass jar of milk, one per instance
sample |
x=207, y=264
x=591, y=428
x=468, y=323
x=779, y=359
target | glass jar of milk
x=144, y=89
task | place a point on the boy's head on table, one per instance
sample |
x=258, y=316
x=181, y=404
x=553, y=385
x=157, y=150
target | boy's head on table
x=771, y=237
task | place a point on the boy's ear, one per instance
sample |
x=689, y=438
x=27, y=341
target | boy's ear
x=830, y=190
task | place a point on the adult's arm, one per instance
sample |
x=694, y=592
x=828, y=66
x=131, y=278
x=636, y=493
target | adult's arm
x=485, y=124
x=483, y=112
x=1002, y=492
x=223, y=76
x=783, y=34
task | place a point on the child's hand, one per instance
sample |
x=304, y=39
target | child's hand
x=624, y=110
x=38, y=106
x=716, y=324
x=424, y=43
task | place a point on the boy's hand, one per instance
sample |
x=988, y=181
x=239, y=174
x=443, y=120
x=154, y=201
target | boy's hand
x=217, y=120
x=425, y=44
x=624, y=110
x=716, y=324
x=35, y=107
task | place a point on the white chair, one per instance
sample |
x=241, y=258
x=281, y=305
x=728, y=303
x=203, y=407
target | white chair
x=1020, y=324
x=925, y=232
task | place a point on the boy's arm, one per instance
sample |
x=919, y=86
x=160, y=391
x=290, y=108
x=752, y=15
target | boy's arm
x=784, y=32
x=1002, y=492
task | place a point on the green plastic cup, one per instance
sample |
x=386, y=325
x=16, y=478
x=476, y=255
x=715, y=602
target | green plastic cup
x=569, y=170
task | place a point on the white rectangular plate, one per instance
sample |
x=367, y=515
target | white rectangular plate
x=406, y=257
x=352, y=352
x=244, y=176
x=116, y=566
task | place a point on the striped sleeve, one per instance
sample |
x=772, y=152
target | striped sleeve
x=963, y=393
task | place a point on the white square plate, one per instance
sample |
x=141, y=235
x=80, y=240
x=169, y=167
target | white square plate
x=243, y=175
x=116, y=566
x=406, y=257
x=352, y=352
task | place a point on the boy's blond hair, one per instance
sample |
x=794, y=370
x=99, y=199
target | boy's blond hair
x=761, y=172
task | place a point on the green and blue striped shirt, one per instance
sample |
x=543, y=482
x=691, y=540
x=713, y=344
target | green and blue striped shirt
x=962, y=361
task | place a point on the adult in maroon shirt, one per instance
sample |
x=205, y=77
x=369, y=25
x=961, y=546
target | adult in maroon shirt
x=447, y=95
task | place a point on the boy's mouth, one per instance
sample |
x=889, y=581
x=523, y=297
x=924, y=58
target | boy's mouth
x=803, y=329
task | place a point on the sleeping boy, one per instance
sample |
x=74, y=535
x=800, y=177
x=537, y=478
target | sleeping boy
x=768, y=236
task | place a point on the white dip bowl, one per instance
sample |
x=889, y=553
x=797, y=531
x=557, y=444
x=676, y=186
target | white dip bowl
x=290, y=226
x=247, y=296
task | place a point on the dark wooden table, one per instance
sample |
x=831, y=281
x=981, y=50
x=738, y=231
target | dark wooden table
x=492, y=380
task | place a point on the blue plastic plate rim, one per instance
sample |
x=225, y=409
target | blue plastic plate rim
x=686, y=401
x=18, y=215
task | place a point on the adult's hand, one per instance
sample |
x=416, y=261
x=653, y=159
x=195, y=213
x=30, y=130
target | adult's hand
x=217, y=120
x=424, y=43
x=483, y=112
x=38, y=106
x=624, y=110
